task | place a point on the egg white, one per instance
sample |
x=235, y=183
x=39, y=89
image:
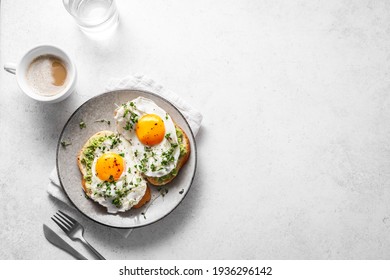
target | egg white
x=130, y=180
x=151, y=160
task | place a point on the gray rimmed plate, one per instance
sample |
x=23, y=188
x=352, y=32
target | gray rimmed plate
x=102, y=107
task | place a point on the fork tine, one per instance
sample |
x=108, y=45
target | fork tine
x=69, y=217
x=64, y=219
x=65, y=229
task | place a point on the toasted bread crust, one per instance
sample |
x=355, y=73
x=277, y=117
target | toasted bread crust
x=145, y=199
x=181, y=161
x=80, y=156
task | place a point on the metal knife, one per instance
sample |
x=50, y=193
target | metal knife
x=56, y=240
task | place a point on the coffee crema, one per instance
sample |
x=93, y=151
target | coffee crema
x=46, y=75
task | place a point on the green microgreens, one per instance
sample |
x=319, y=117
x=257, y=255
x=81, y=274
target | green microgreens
x=147, y=149
x=168, y=156
x=134, y=117
x=89, y=155
x=65, y=143
x=103, y=120
x=128, y=126
x=115, y=140
x=82, y=125
x=117, y=202
x=142, y=168
x=163, y=191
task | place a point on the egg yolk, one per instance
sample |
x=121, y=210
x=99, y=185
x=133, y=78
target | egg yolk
x=150, y=129
x=109, y=167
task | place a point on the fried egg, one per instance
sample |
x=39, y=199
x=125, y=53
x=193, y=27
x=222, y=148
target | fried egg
x=115, y=183
x=152, y=135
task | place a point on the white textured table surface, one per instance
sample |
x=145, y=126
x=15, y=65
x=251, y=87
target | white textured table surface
x=294, y=151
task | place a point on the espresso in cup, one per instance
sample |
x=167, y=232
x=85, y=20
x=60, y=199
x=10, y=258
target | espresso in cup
x=46, y=75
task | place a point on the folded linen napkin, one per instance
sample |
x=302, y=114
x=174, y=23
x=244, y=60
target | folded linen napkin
x=139, y=82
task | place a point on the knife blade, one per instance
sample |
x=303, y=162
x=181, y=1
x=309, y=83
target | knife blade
x=56, y=240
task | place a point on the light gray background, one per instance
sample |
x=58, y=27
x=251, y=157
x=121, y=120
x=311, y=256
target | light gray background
x=294, y=152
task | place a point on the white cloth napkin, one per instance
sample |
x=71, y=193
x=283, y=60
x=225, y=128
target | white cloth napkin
x=140, y=82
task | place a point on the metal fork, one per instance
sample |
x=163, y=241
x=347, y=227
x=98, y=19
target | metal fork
x=73, y=229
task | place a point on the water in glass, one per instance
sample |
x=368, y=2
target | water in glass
x=93, y=16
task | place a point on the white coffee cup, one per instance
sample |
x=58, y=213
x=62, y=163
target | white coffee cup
x=20, y=70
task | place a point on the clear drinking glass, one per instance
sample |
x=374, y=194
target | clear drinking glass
x=93, y=16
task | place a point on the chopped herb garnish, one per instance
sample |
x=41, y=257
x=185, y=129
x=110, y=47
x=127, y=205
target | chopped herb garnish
x=115, y=140
x=89, y=156
x=128, y=126
x=168, y=156
x=163, y=191
x=166, y=116
x=122, y=154
x=147, y=149
x=82, y=125
x=181, y=191
x=173, y=173
x=134, y=117
x=103, y=120
x=117, y=202
x=65, y=143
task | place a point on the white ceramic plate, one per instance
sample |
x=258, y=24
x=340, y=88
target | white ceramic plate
x=102, y=107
